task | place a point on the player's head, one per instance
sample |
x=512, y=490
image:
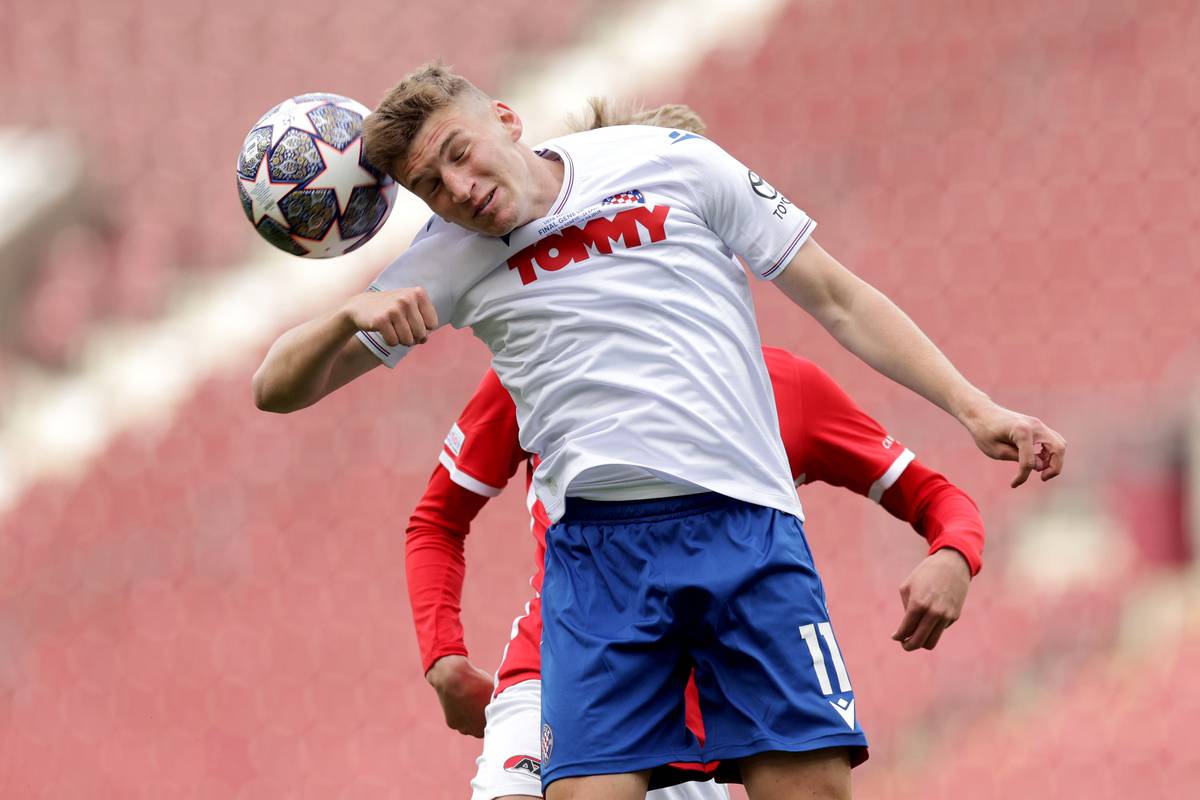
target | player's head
x=457, y=149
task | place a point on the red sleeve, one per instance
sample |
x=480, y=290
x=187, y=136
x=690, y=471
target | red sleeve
x=481, y=451
x=435, y=565
x=478, y=457
x=827, y=436
x=940, y=511
x=830, y=439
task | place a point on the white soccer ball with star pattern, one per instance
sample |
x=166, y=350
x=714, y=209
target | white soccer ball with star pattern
x=304, y=182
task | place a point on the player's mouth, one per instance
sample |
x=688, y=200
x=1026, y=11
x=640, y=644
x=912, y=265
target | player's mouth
x=485, y=203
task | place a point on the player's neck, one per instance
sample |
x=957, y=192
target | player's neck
x=547, y=170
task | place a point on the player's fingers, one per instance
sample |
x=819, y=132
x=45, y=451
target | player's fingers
x=427, y=310
x=467, y=728
x=921, y=634
x=932, y=641
x=1054, y=465
x=388, y=332
x=1026, y=453
x=403, y=331
x=908, y=625
x=416, y=324
x=1055, y=452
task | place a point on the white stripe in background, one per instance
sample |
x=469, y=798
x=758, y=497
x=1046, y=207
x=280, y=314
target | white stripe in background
x=137, y=374
x=891, y=476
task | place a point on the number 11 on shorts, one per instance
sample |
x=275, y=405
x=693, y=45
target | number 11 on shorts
x=809, y=634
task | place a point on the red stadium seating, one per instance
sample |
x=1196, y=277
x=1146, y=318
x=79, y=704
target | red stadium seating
x=1115, y=727
x=160, y=97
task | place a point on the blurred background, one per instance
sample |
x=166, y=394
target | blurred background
x=199, y=600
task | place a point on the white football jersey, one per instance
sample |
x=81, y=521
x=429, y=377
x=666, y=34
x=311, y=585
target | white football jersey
x=619, y=322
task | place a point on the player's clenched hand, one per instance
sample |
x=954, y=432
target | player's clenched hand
x=1008, y=436
x=933, y=595
x=463, y=690
x=400, y=316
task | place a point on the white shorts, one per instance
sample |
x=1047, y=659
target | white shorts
x=511, y=763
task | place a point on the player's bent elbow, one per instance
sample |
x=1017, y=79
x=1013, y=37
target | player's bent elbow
x=270, y=399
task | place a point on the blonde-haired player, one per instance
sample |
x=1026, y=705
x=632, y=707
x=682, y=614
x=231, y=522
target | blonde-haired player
x=597, y=270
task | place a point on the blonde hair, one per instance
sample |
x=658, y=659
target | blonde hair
x=603, y=112
x=389, y=130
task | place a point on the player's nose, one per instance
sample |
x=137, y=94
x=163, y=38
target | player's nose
x=458, y=185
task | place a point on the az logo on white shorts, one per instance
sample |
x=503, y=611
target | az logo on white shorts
x=526, y=764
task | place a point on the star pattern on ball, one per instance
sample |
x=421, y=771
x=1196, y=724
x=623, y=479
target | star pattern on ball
x=331, y=243
x=265, y=195
x=291, y=114
x=343, y=171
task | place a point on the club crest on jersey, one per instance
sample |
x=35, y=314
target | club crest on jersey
x=575, y=243
x=527, y=764
x=547, y=742
x=455, y=439
x=630, y=196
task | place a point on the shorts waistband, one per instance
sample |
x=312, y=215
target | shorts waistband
x=580, y=510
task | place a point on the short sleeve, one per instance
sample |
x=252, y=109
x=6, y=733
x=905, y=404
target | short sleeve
x=754, y=219
x=445, y=261
x=481, y=451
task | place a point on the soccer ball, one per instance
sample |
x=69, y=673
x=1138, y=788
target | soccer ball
x=304, y=182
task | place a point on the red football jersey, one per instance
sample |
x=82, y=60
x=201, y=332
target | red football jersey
x=828, y=438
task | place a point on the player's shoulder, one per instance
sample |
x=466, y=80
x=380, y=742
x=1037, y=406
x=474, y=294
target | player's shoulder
x=786, y=362
x=491, y=388
x=633, y=141
x=436, y=228
x=795, y=376
x=490, y=399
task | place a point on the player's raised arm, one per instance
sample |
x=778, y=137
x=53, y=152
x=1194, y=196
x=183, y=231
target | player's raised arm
x=774, y=238
x=322, y=355
x=872, y=327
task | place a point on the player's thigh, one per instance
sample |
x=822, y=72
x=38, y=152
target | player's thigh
x=613, y=669
x=510, y=764
x=621, y=786
x=768, y=667
x=812, y=775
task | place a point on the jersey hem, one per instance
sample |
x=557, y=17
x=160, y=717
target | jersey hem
x=788, y=504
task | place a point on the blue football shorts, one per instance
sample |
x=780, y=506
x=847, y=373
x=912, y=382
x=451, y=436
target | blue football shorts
x=637, y=594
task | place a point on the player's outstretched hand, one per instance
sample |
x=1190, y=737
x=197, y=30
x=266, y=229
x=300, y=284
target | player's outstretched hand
x=1008, y=436
x=400, y=316
x=463, y=690
x=933, y=595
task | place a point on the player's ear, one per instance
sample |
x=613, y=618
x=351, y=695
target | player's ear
x=509, y=119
